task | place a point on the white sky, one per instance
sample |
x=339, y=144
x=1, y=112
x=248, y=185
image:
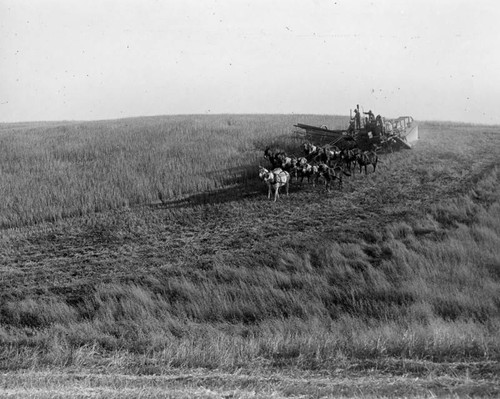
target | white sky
x=100, y=59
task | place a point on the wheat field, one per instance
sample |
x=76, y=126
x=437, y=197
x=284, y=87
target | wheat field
x=142, y=257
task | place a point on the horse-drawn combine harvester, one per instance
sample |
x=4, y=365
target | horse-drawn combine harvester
x=367, y=133
x=329, y=154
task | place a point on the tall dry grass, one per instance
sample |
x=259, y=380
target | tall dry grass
x=421, y=292
x=425, y=287
x=53, y=171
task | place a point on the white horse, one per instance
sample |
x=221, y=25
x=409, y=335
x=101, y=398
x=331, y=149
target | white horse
x=275, y=180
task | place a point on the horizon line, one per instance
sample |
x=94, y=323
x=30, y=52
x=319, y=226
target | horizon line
x=73, y=121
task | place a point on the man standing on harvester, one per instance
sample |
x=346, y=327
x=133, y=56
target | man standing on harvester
x=357, y=119
x=371, y=117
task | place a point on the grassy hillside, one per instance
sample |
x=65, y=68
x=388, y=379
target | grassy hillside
x=52, y=171
x=399, y=271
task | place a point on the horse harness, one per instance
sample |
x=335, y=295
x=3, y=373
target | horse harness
x=278, y=178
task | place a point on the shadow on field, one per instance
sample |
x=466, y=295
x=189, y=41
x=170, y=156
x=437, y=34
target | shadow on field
x=290, y=143
x=240, y=184
x=249, y=190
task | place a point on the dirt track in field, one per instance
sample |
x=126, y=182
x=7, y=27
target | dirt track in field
x=456, y=380
x=132, y=244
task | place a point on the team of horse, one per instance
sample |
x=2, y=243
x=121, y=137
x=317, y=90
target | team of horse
x=319, y=163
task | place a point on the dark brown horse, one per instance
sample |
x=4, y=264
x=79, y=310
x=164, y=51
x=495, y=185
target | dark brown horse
x=310, y=150
x=349, y=157
x=274, y=156
x=325, y=154
x=308, y=171
x=332, y=173
x=367, y=158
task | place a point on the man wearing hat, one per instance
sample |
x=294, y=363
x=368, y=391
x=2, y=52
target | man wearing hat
x=371, y=117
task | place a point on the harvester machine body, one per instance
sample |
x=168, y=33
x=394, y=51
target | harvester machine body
x=367, y=132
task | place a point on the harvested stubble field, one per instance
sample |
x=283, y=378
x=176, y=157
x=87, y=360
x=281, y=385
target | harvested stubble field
x=142, y=257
